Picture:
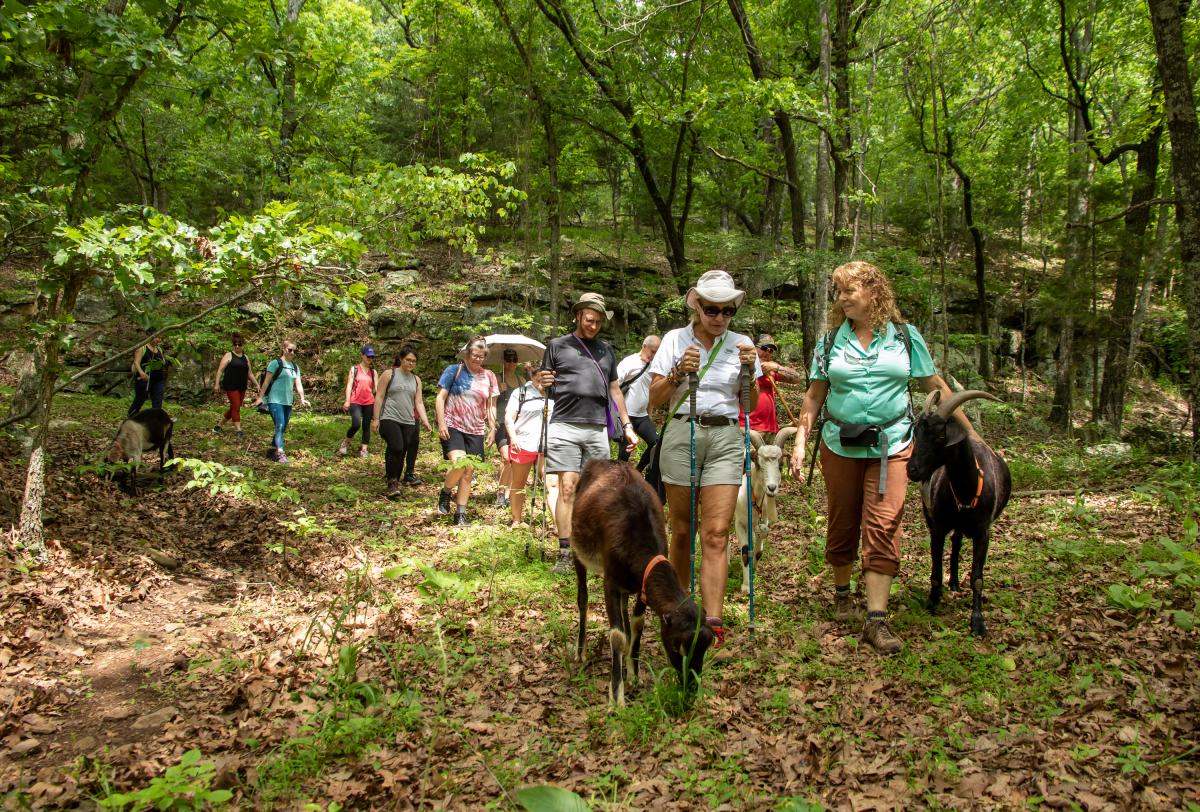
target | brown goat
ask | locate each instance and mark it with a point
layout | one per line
(619, 534)
(148, 430)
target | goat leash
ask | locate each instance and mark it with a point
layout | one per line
(654, 562)
(978, 486)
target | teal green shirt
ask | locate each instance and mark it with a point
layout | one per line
(870, 385)
(283, 384)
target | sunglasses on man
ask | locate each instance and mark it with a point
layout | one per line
(768, 348)
(712, 311)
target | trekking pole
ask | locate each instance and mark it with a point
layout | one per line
(546, 395)
(746, 376)
(812, 461)
(693, 385)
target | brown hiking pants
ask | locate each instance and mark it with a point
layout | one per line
(856, 508)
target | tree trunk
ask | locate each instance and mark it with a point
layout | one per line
(842, 141)
(85, 153)
(289, 119)
(1080, 167)
(1167, 18)
(553, 150)
(1110, 406)
(824, 183)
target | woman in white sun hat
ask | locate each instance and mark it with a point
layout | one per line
(708, 349)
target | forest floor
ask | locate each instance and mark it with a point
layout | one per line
(343, 651)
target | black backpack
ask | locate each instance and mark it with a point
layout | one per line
(262, 377)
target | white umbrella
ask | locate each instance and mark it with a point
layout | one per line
(527, 349)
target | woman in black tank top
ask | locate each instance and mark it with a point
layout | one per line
(233, 376)
(149, 375)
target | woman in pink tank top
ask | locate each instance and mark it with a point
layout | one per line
(360, 401)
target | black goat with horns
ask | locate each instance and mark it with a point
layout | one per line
(964, 487)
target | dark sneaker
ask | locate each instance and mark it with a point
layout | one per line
(460, 519)
(217, 429)
(240, 435)
(393, 489)
(845, 610)
(566, 562)
(444, 502)
(411, 480)
(881, 638)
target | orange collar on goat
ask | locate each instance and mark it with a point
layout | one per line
(654, 562)
(978, 488)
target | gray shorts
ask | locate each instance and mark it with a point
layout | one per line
(720, 454)
(570, 445)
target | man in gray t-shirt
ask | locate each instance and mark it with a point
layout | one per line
(582, 369)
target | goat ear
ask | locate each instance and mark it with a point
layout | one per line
(955, 433)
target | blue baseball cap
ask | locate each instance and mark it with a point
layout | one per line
(368, 351)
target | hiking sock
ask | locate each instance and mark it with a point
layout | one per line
(873, 616)
(564, 543)
(842, 591)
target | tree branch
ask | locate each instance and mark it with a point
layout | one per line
(121, 353)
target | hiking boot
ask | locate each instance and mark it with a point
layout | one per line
(344, 448)
(411, 480)
(718, 652)
(844, 609)
(444, 502)
(217, 429)
(240, 435)
(502, 500)
(362, 452)
(881, 638)
(393, 489)
(566, 562)
(460, 519)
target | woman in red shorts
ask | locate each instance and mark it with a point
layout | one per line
(233, 376)
(523, 415)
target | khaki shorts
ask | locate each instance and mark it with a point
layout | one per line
(720, 454)
(570, 445)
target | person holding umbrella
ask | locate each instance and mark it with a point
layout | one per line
(510, 381)
(582, 368)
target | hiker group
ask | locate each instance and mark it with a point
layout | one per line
(708, 387)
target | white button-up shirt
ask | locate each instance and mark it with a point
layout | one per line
(717, 394)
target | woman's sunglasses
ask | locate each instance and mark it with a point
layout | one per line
(712, 311)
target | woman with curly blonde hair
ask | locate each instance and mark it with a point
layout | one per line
(859, 376)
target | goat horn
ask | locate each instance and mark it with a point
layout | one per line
(784, 435)
(931, 402)
(959, 398)
(756, 439)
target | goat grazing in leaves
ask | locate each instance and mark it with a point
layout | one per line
(148, 430)
(618, 533)
(964, 487)
(765, 476)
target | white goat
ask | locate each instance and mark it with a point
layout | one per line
(765, 476)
